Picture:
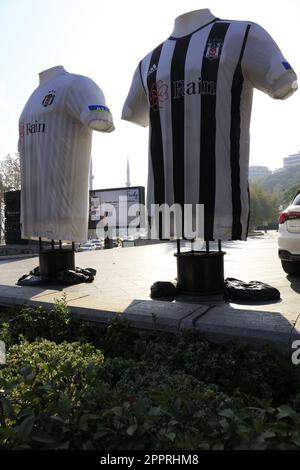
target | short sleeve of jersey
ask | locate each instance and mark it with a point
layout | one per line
(86, 102)
(265, 67)
(135, 108)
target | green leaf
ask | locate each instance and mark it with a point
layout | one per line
(24, 429)
(218, 446)
(204, 446)
(46, 387)
(6, 433)
(286, 411)
(24, 412)
(174, 422)
(268, 434)
(63, 446)
(227, 413)
(296, 441)
(199, 414)
(103, 432)
(171, 436)
(30, 378)
(8, 408)
(25, 371)
(43, 438)
(155, 411)
(131, 429)
(64, 404)
(177, 404)
(117, 411)
(58, 419)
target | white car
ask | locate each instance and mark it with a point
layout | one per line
(99, 244)
(88, 246)
(289, 237)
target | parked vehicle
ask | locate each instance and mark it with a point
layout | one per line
(99, 244)
(289, 237)
(87, 246)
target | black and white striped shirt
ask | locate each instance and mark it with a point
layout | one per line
(195, 93)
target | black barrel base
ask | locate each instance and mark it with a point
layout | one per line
(200, 272)
(54, 261)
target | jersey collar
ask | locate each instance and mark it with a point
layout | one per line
(175, 38)
(50, 73)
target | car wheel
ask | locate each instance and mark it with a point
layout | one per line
(291, 267)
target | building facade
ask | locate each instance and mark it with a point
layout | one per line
(258, 171)
(291, 160)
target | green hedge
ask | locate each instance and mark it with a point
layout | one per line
(69, 385)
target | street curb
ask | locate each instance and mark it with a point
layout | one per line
(220, 324)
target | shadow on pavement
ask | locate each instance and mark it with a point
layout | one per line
(17, 258)
(217, 323)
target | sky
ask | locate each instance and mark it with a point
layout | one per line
(105, 40)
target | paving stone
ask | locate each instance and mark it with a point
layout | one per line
(251, 326)
(161, 315)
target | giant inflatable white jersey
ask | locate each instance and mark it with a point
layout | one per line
(195, 92)
(55, 136)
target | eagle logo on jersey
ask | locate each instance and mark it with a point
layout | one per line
(158, 94)
(49, 98)
(213, 49)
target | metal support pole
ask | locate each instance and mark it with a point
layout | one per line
(60, 245)
(178, 246)
(0, 213)
(73, 247)
(106, 240)
(192, 246)
(52, 244)
(40, 243)
(220, 245)
(207, 246)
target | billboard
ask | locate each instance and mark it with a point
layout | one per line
(120, 205)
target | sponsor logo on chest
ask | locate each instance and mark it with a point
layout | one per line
(31, 128)
(159, 92)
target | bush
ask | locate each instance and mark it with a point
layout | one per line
(69, 385)
(44, 388)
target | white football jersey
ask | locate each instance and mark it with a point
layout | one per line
(55, 136)
(195, 93)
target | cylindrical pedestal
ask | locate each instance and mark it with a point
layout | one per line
(200, 272)
(54, 261)
(108, 243)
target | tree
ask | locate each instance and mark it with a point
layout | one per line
(281, 179)
(263, 206)
(289, 194)
(10, 180)
(10, 173)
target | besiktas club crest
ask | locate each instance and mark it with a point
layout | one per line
(213, 49)
(49, 98)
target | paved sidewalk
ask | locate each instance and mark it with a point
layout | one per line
(122, 285)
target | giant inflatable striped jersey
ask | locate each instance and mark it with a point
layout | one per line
(195, 94)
